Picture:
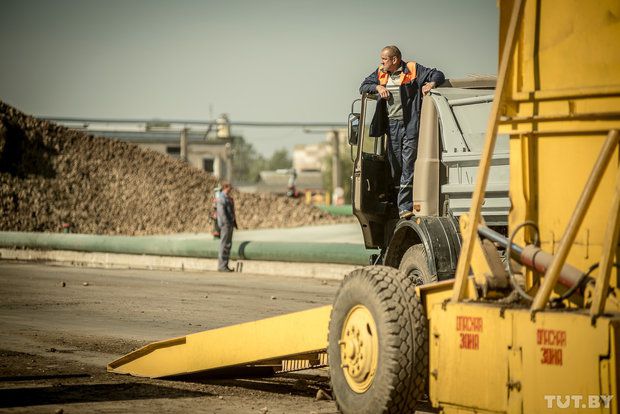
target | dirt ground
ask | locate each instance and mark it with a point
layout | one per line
(60, 326)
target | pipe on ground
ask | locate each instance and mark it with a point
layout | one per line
(339, 253)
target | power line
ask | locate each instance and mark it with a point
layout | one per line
(270, 124)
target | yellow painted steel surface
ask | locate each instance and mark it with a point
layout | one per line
(490, 361)
(560, 102)
(268, 340)
(467, 357)
(434, 294)
(563, 98)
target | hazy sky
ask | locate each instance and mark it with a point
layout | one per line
(263, 60)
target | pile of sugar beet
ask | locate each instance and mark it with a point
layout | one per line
(50, 175)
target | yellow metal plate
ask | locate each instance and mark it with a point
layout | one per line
(468, 354)
(249, 343)
(485, 362)
(561, 354)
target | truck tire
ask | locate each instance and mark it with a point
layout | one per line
(378, 343)
(415, 265)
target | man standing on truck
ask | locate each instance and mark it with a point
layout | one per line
(227, 221)
(401, 85)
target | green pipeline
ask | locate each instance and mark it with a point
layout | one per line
(191, 246)
(344, 210)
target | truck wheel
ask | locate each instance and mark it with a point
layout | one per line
(415, 265)
(378, 343)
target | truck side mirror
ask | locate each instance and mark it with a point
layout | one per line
(353, 128)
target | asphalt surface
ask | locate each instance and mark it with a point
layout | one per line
(325, 233)
(328, 233)
(60, 326)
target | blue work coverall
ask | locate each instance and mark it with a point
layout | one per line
(403, 135)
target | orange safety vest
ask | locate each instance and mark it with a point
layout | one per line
(404, 77)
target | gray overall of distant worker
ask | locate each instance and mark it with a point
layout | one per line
(227, 221)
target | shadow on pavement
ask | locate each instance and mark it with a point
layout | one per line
(17, 378)
(67, 394)
(291, 383)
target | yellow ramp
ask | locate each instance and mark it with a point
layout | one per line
(300, 336)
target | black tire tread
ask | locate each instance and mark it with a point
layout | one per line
(406, 353)
(415, 256)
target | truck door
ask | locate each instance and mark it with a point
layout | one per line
(372, 193)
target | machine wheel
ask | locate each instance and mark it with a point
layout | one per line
(378, 343)
(415, 265)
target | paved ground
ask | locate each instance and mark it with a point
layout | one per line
(329, 233)
(55, 341)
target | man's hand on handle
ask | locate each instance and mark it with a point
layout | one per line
(383, 92)
(426, 88)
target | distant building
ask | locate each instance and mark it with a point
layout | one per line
(310, 157)
(313, 157)
(309, 164)
(277, 182)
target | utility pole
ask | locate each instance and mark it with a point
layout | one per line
(183, 145)
(229, 162)
(336, 174)
(223, 132)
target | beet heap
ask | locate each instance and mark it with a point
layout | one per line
(50, 175)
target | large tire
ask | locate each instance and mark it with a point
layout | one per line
(398, 329)
(415, 265)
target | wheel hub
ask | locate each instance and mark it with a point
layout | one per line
(359, 348)
(417, 276)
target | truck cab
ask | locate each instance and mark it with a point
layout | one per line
(452, 125)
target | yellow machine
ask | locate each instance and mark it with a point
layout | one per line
(540, 335)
